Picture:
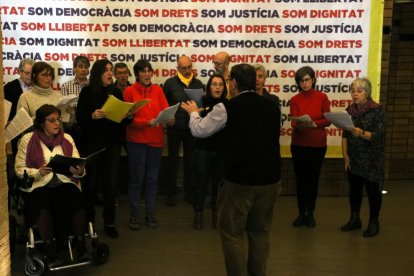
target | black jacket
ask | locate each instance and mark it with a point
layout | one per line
(174, 92)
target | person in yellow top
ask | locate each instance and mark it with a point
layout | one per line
(179, 132)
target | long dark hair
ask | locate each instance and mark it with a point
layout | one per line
(208, 87)
(98, 69)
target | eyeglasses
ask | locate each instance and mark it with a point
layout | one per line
(218, 84)
(216, 63)
(305, 80)
(54, 120)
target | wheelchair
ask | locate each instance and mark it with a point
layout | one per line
(36, 263)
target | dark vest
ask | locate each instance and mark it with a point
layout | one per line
(252, 151)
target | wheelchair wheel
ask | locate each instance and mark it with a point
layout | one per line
(100, 253)
(38, 269)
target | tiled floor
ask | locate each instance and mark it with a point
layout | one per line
(176, 249)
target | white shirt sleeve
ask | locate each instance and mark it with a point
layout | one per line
(212, 123)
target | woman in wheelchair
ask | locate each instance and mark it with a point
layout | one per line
(53, 200)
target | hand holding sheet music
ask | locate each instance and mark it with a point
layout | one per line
(61, 164)
(304, 120)
(167, 114)
(195, 95)
(340, 120)
(115, 109)
(65, 104)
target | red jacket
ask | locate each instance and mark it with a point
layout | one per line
(313, 103)
(139, 131)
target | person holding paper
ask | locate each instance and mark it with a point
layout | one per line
(363, 149)
(145, 140)
(81, 66)
(208, 156)
(53, 199)
(308, 145)
(41, 92)
(15, 88)
(97, 133)
(179, 132)
(251, 182)
(12, 92)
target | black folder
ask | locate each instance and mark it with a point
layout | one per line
(61, 163)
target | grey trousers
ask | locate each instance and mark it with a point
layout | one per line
(246, 209)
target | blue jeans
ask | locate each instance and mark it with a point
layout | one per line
(144, 164)
(209, 168)
(246, 209)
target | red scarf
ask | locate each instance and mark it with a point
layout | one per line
(34, 154)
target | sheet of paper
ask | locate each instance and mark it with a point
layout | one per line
(195, 95)
(167, 114)
(138, 104)
(340, 120)
(67, 100)
(115, 109)
(7, 109)
(303, 119)
(18, 124)
(64, 103)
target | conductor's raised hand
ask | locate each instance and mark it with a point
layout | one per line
(190, 106)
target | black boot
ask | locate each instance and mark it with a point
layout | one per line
(373, 228)
(353, 223)
(300, 220)
(198, 221)
(310, 221)
(214, 219)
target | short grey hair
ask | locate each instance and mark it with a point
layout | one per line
(363, 83)
(260, 67)
(25, 61)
